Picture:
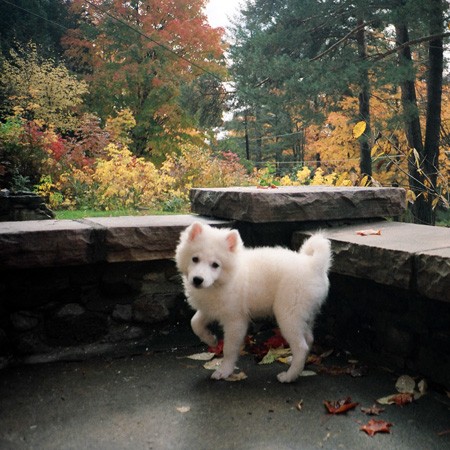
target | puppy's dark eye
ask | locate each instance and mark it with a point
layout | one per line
(215, 265)
(195, 259)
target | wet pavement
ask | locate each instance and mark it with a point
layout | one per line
(162, 400)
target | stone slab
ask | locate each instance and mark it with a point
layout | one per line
(298, 204)
(433, 273)
(405, 255)
(144, 238)
(45, 243)
(53, 243)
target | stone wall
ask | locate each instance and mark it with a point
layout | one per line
(23, 206)
(388, 326)
(76, 312)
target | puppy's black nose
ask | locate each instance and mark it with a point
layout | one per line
(197, 281)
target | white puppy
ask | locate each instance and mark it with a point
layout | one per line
(228, 283)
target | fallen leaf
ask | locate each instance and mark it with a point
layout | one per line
(236, 377)
(340, 406)
(400, 399)
(376, 426)
(270, 186)
(403, 398)
(206, 356)
(405, 384)
(369, 232)
(218, 349)
(313, 359)
(422, 386)
(374, 410)
(213, 364)
(276, 341)
(285, 359)
(308, 373)
(183, 409)
(327, 353)
(274, 353)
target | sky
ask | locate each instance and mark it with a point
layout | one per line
(218, 11)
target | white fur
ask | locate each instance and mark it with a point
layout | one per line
(226, 282)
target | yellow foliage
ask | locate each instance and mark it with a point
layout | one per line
(120, 126)
(359, 129)
(125, 181)
(42, 88)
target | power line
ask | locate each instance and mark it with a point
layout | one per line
(36, 15)
(165, 47)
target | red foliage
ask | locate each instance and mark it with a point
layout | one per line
(376, 426)
(218, 349)
(340, 406)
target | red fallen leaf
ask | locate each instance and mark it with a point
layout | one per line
(218, 349)
(276, 341)
(402, 398)
(374, 410)
(270, 186)
(313, 359)
(376, 426)
(340, 406)
(369, 232)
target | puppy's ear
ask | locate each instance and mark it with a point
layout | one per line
(234, 241)
(194, 230)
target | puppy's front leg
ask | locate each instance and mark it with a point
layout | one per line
(234, 334)
(199, 324)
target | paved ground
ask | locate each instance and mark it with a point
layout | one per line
(162, 400)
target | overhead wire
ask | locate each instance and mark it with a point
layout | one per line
(122, 22)
(36, 15)
(165, 47)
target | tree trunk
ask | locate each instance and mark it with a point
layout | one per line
(247, 141)
(411, 114)
(365, 164)
(434, 104)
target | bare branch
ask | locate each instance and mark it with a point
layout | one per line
(336, 44)
(381, 56)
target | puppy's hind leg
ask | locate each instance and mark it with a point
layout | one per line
(199, 324)
(299, 338)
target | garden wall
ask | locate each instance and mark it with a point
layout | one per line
(75, 289)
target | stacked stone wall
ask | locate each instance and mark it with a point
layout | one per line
(76, 312)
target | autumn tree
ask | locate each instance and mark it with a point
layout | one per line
(305, 57)
(40, 89)
(139, 55)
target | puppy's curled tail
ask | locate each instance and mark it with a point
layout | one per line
(319, 248)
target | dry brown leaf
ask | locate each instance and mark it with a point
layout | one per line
(236, 377)
(376, 426)
(369, 232)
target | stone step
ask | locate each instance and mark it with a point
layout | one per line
(409, 256)
(298, 204)
(53, 243)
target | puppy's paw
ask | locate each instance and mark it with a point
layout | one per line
(285, 377)
(222, 373)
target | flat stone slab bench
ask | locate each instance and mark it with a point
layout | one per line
(298, 204)
(409, 256)
(53, 243)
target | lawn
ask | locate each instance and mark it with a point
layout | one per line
(81, 214)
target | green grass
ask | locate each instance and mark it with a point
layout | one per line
(82, 214)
